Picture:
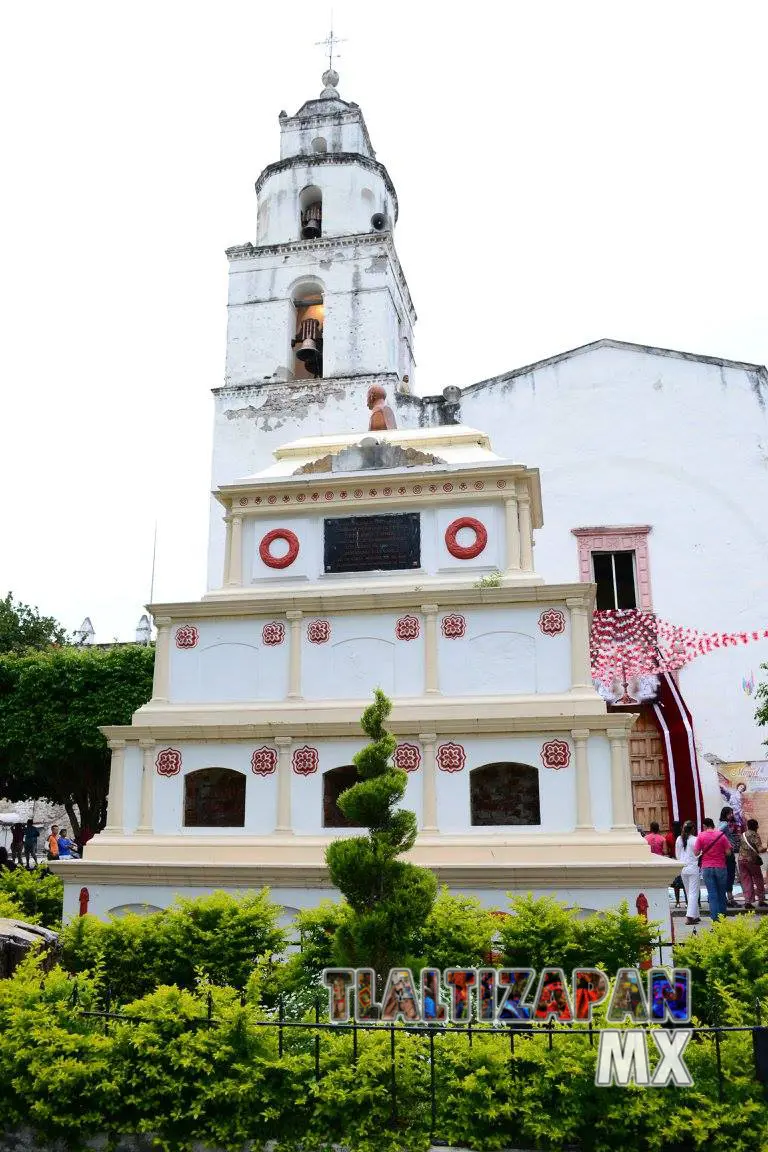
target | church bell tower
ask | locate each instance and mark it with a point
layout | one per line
(321, 295)
(319, 308)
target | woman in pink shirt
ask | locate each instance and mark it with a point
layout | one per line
(713, 848)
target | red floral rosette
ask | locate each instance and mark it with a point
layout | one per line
(556, 754)
(168, 762)
(408, 628)
(273, 633)
(187, 636)
(306, 761)
(319, 631)
(453, 626)
(264, 761)
(407, 757)
(552, 622)
(450, 757)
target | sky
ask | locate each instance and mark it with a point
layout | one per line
(565, 172)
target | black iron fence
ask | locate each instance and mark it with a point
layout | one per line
(514, 1035)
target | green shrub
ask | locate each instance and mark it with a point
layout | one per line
(730, 960)
(198, 1066)
(37, 892)
(219, 934)
(458, 932)
(543, 933)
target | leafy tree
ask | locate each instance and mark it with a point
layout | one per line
(761, 715)
(22, 628)
(458, 932)
(389, 898)
(51, 706)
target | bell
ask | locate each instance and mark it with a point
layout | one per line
(307, 351)
(311, 230)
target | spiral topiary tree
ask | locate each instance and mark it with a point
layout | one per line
(390, 899)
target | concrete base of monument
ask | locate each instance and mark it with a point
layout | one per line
(590, 870)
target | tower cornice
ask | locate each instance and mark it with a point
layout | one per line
(248, 251)
(319, 159)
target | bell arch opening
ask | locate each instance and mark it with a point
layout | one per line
(504, 794)
(335, 782)
(214, 798)
(307, 340)
(310, 213)
(320, 144)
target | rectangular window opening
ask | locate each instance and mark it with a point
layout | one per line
(614, 574)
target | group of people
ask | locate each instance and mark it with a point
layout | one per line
(25, 845)
(715, 855)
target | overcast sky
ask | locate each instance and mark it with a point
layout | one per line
(565, 172)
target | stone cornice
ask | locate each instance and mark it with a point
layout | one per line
(319, 159)
(399, 488)
(380, 597)
(250, 251)
(520, 877)
(315, 119)
(312, 389)
(446, 716)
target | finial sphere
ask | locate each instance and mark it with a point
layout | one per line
(330, 78)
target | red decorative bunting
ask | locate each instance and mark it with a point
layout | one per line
(626, 644)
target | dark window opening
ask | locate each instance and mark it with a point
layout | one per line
(335, 782)
(615, 580)
(214, 798)
(504, 794)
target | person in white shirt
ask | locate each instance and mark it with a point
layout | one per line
(689, 870)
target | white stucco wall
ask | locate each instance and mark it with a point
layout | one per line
(625, 437)
(350, 196)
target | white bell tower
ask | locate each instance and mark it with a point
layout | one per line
(319, 308)
(321, 294)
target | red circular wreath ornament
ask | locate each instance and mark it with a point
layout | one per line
(291, 540)
(452, 531)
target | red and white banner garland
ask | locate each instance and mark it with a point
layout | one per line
(628, 644)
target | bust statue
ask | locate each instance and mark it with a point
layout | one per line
(382, 416)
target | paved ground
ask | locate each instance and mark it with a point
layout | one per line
(683, 930)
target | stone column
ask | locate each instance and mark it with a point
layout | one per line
(227, 548)
(235, 567)
(146, 807)
(431, 678)
(161, 686)
(526, 532)
(581, 673)
(115, 824)
(621, 779)
(584, 820)
(283, 824)
(513, 534)
(428, 782)
(294, 655)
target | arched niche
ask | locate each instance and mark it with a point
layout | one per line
(320, 145)
(336, 781)
(214, 798)
(308, 325)
(504, 794)
(310, 213)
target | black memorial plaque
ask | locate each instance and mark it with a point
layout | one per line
(371, 543)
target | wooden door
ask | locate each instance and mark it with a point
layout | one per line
(646, 756)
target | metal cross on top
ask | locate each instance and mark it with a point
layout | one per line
(329, 44)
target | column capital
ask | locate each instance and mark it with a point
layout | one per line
(576, 605)
(227, 518)
(116, 745)
(294, 614)
(146, 744)
(580, 733)
(283, 741)
(163, 621)
(430, 609)
(524, 497)
(427, 737)
(617, 733)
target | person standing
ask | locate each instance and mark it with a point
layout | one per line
(655, 840)
(17, 842)
(751, 866)
(31, 836)
(729, 826)
(689, 870)
(53, 842)
(713, 847)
